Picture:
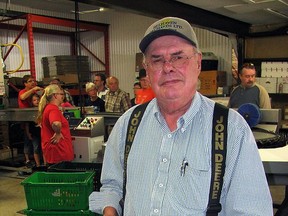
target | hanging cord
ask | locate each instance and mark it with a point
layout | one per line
(21, 54)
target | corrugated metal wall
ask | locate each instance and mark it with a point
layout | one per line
(126, 30)
(45, 45)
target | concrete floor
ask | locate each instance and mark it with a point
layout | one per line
(13, 201)
(12, 196)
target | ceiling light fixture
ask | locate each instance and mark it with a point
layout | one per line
(276, 13)
(259, 1)
(89, 11)
(283, 2)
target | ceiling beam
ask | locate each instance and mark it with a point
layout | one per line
(163, 8)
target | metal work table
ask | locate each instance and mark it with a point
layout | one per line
(16, 114)
(29, 114)
(275, 161)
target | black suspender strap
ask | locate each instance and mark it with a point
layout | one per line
(133, 124)
(218, 158)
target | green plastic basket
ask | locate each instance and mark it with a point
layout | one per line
(58, 191)
(31, 212)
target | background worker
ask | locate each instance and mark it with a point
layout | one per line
(33, 133)
(136, 88)
(25, 101)
(169, 164)
(93, 99)
(116, 100)
(248, 91)
(56, 139)
(30, 88)
(68, 97)
(100, 82)
(146, 93)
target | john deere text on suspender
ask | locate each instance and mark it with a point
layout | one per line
(218, 154)
(133, 124)
(218, 158)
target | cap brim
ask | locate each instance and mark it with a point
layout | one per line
(159, 33)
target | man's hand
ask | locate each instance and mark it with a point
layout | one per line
(110, 211)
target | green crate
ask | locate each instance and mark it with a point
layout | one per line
(58, 191)
(31, 212)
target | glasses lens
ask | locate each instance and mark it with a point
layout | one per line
(175, 61)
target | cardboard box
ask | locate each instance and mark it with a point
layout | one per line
(67, 79)
(282, 85)
(211, 80)
(269, 83)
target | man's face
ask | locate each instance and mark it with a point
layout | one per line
(113, 85)
(145, 82)
(31, 83)
(98, 82)
(247, 77)
(136, 89)
(176, 79)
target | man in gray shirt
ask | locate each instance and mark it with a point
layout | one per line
(249, 91)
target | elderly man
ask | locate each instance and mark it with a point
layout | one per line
(171, 163)
(116, 100)
(249, 91)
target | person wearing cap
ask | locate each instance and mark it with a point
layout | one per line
(68, 97)
(248, 91)
(93, 99)
(146, 93)
(169, 164)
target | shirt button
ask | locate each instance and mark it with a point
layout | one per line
(160, 185)
(182, 130)
(169, 135)
(156, 210)
(164, 160)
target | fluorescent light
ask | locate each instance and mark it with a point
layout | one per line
(89, 11)
(260, 1)
(277, 13)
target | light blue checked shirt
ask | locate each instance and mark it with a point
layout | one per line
(154, 183)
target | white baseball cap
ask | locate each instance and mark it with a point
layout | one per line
(169, 26)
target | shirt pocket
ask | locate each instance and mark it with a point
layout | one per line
(192, 189)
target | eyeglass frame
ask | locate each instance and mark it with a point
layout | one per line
(171, 61)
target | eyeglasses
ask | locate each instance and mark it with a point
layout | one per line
(248, 66)
(176, 62)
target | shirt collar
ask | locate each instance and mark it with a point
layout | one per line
(185, 119)
(114, 93)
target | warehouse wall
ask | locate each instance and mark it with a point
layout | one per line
(126, 30)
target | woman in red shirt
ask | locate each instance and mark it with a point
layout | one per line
(55, 133)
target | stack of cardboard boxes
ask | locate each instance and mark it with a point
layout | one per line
(211, 80)
(66, 69)
(274, 77)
